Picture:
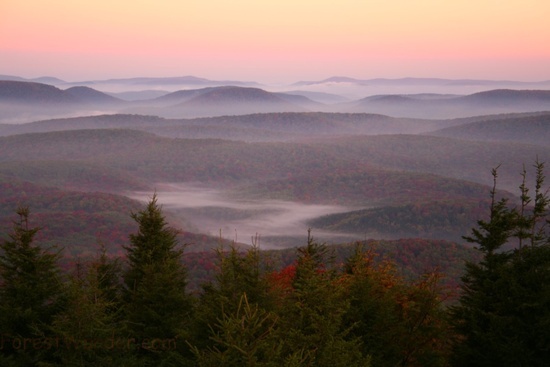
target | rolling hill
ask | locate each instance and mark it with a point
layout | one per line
(92, 96)
(439, 219)
(533, 129)
(385, 178)
(282, 126)
(22, 101)
(148, 155)
(535, 99)
(422, 185)
(235, 101)
(43, 79)
(18, 92)
(179, 96)
(82, 123)
(492, 84)
(168, 83)
(444, 106)
(220, 101)
(32, 93)
(75, 221)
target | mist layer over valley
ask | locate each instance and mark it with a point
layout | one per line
(248, 221)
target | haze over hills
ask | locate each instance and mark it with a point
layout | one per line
(445, 106)
(237, 101)
(321, 97)
(139, 95)
(530, 129)
(18, 100)
(44, 79)
(352, 88)
(314, 177)
(28, 101)
(262, 160)
(356, 89)
(159, 83)
(89, 95)
(426, 81)
(282, 126)
(21, 99)
(31, 92)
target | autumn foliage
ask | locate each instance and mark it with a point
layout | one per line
(316, 308)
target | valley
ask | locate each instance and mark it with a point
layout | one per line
(267, 166)
(218, 213)
(274, 183)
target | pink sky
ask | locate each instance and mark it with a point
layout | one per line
(276, 41)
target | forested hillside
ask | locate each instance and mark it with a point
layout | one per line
(532, 129)
(418, 185)
(362, 304)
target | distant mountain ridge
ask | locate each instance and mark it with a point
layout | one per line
(43, 79)
(226, 100)
(22, 101)
(191, 80)
(481, 103)
(19, 99)
(232, 94)
(421, 81)
(168, 82)
(31, 92)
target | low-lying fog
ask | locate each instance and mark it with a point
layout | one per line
(211, 211)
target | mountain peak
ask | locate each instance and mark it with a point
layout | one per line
(87, 94)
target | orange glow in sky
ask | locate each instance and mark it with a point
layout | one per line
(276, 41)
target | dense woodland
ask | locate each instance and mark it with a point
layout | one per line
(139, 309)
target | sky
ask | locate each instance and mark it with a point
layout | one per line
(276, 41)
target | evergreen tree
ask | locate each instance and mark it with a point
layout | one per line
(398, 323)
(157, 307)
(504, 310)
(240, 274)
(89, 329)
(244, 337)
(108, 272)
(312, 325)
(154, 243)
(31, 294)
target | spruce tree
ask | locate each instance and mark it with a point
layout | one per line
(157, 307)
(238, 274)
(312, 324)
(398, 323)
(31, 294)
(90, 330)
(504, 310)
(243, 337)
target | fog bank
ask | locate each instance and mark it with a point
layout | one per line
(211, 211)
